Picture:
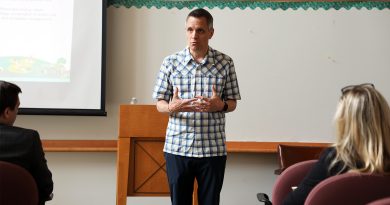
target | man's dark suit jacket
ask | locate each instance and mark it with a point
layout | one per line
(23, 147)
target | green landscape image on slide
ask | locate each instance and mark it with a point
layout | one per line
(21, 68)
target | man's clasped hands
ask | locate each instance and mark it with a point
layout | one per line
(196, 104)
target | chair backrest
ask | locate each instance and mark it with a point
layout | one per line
(382, 201)
(350, 188)
(17, 186)
(292, 176)
(291, 154)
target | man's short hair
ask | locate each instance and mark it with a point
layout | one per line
(8, 95)
(198, 13)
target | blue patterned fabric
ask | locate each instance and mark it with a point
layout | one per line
(196, 134)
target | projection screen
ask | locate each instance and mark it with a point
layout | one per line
(55, 51)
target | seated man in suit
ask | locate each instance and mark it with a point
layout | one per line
(22, 146)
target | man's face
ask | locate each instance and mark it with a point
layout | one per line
(198, 34)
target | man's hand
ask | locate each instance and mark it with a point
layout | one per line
(213, 104)
(181, 105)
(197, 104)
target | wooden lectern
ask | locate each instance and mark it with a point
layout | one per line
(140, 161)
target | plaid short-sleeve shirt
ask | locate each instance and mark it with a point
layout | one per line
(196, 134)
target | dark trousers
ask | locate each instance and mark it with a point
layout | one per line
(208, 172)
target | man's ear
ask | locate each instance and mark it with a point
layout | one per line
(6, 112)
(3, 116)
(211, 33)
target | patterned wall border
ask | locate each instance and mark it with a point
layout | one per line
(243, 4)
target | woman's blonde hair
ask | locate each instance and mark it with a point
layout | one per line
(363, 130)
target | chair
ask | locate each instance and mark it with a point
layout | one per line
(382, 201)
(350, 188)
(291, 154)
(17, 186)
(290, 177)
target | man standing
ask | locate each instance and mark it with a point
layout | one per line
(196, 86)
(22, 146)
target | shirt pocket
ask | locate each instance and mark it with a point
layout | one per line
(213, 78)
(183, 82)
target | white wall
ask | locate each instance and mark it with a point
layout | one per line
(83, 178)
(132, 64)
(290, 64)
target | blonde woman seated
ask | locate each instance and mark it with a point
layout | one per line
(363, 140)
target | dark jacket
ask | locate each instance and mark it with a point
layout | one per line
(24, 148)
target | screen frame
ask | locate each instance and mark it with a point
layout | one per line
(82, 112)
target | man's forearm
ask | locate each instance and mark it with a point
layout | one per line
(231, 105)
(163, 106)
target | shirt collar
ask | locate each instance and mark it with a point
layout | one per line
(188, 57)
(210, 56)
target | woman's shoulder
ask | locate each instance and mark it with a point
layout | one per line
(327, 156)
(329, 151)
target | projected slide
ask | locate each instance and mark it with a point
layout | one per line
(36, 40)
